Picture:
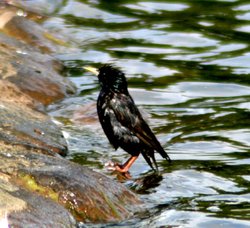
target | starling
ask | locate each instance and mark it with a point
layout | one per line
(122, 121)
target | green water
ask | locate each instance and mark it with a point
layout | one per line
(188, 68)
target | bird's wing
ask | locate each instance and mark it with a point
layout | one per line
(129, 116)
(113, 128)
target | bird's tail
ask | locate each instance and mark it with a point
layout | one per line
(164, 154)
(148, 156)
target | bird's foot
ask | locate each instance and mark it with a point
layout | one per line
(114, 166)
(121, 168)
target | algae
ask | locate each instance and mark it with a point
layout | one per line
(29, 183)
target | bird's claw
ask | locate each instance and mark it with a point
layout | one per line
(114, 166)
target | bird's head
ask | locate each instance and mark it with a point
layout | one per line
(110, 78)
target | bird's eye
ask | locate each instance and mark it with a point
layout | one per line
(103, 73)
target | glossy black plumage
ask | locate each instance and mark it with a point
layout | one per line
(121, 120)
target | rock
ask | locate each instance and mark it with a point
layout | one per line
(32, 34)
(23, 126)
(22, 208)
(88, 195)
(12, 94)
(36, 132)
(40, 6)
(34, 73)
(24, 62)
(20, 23)
(9, 203)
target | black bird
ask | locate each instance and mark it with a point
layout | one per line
(121, 120)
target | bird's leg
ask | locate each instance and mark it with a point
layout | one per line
(125, 167)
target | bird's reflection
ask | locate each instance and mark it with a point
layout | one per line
(145, 183)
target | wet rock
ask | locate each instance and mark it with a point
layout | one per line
(9, 203)
(20, 23)
(30, 129)
(40, 212)
(34, 73)
(24, 62)
(88, 195)
(22, 208)
(32, 34)
(40, 6)
(12, 94)
(24, 126)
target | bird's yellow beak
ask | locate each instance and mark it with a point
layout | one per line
(92, 70)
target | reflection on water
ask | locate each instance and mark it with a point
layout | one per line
(187, 64)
